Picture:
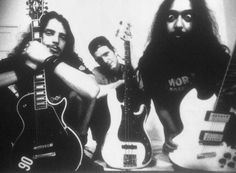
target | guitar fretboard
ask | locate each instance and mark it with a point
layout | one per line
(40, 93)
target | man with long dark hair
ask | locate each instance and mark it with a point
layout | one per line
(183, 53)
(66, 74)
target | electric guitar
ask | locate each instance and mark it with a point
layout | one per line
(45, 142)
(200, 144)
(127, 145)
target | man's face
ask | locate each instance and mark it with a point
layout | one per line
(54, 37)
(104, 56)
(179, 21)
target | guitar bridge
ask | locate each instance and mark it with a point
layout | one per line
(39, 156)
(130, 160)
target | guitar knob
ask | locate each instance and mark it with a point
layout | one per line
(227, 155)
(222, 161)
(234, 158)
(231, 164)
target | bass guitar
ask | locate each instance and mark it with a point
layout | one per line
(201, 144)
(127, 145)
(45, 142)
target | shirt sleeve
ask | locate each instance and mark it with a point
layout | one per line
(6, 64)
(77, 63)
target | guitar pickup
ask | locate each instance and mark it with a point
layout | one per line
(43, 146)
(217, 117)
(132, 147)
(210, 138)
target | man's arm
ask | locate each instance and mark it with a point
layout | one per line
(169, 125)
(7, 78)
(82, 83)
(105, 89)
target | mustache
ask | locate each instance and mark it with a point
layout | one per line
(178, 32)
(54, 49)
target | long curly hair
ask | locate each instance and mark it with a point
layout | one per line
(70, 41)
(204, 44)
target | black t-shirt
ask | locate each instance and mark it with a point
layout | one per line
(170, 80)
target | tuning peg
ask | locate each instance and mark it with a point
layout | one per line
(46, 7)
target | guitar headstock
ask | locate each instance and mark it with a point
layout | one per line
(124, 31)
(36, 8)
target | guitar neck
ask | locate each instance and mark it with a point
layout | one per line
(129, 72)
(129, 76)
(40, 92)
(35, 30)
(36, 10)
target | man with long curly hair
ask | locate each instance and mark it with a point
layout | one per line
(184, 52)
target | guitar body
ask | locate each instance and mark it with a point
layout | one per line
(45, 143)
(194, 155)
(126, 149)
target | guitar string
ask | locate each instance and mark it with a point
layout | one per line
(213, 125)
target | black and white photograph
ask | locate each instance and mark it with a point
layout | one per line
(118, 85)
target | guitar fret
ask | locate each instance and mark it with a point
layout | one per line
(40, 93)
(39, 87)
(41, 103)
(41, 107)
(40, 98)
(39, 76)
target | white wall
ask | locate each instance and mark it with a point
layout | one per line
(90, 18)
(230, 18)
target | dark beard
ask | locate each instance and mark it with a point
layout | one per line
(181, 52)
(179, 45)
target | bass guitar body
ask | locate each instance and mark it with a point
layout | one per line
(200, 145)
(126, 144)
(45, 143)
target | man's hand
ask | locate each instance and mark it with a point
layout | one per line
(118, 83)
(229, 96)
(105, 89)
(169, 145)
(36, 53)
